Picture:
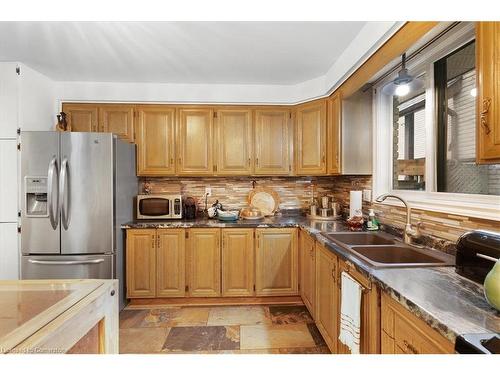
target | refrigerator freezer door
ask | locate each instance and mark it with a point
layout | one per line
(39, 163)
(67, 267)
(86, 193)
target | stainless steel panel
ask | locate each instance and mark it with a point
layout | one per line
(87, 196)
(125, 189)
(39, 154)
(67, 267)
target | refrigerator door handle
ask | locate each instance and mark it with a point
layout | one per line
(51, 174)
(63, 194)
(65, 262)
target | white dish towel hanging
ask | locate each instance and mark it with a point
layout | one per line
(350, 313)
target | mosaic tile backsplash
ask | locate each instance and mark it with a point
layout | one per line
(440, 230)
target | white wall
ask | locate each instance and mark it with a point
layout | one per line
(27, 101)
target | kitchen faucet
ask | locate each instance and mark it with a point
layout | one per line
(409, 231)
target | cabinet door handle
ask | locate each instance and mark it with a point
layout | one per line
(484, 115)
(159, 243)
(153, 241)
(410, 347)
(323, 159)
(257, 162)
(249, 161)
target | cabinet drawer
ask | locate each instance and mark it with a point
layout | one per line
(410, 334)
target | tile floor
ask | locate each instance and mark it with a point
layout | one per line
(227, 329)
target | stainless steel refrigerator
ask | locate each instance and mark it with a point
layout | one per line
(76, 191)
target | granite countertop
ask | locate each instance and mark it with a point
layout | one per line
(447, 301)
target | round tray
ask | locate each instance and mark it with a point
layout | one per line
(265, 199)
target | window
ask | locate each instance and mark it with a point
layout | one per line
(457, 171)
(409, 143)
(425, 146)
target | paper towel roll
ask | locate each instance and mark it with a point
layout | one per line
(355, 202)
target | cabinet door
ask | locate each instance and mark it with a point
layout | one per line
(195, 137)
(310, 141)
(276, 258)
(81, 117)
(327, 312)
(233, 143)
(488, 98)
(370, 312)
(334, 121)
(237, 262)
(117, 119)
(204, 262)
(272, 143)
(141, 263)
(170, 263)
(155, 141)
(307, 271)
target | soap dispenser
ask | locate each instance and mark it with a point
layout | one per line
(372, 223)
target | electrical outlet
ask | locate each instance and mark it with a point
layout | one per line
(208, 191)
(367, 195)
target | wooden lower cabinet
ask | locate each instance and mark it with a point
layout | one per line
(404, 333)
(327, 296)
(141, 263)
(238, 262)
(307, 271)
(370, 311)
(204, 269)
(170, 263)
(276, 262)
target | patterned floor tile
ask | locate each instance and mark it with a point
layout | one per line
(290, 314)
(275, 336)
(202, 338)
(176, 317)
(316, 335)
(238, 315)
(142, 340)
(132, 318)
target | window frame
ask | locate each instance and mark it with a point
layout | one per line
(473, 205)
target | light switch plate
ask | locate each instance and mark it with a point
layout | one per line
(208, 191)
(367, 195)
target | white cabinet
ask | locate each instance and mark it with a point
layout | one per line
(9, 256)
(9, 98)
(8, 180)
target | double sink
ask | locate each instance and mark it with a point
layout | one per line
(381, 250)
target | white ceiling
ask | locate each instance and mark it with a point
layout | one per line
(271, 53)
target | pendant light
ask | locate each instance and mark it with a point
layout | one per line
(404, 83)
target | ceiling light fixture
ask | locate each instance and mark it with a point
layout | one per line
(404, 83)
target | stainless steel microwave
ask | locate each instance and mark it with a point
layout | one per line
(161, 206)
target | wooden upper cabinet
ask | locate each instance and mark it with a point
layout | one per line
(195, 140)
(488, 93)
(170, 263)
(81, 117)
(272, 142)
(310, 139)
(155, 131)
(333, 144)
(234, 141)
(307, 271)
(204, 271)
(276, 259)
(117, 119)
(141, 263)
(237, 262)
(327, 296)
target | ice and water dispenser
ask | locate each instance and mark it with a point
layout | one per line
(36, 196)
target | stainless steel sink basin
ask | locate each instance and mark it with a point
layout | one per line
(381, 250)
(360, 238)
(401, 256)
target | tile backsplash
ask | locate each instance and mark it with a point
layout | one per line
(439, 229)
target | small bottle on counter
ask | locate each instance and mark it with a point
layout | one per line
(372, 223)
